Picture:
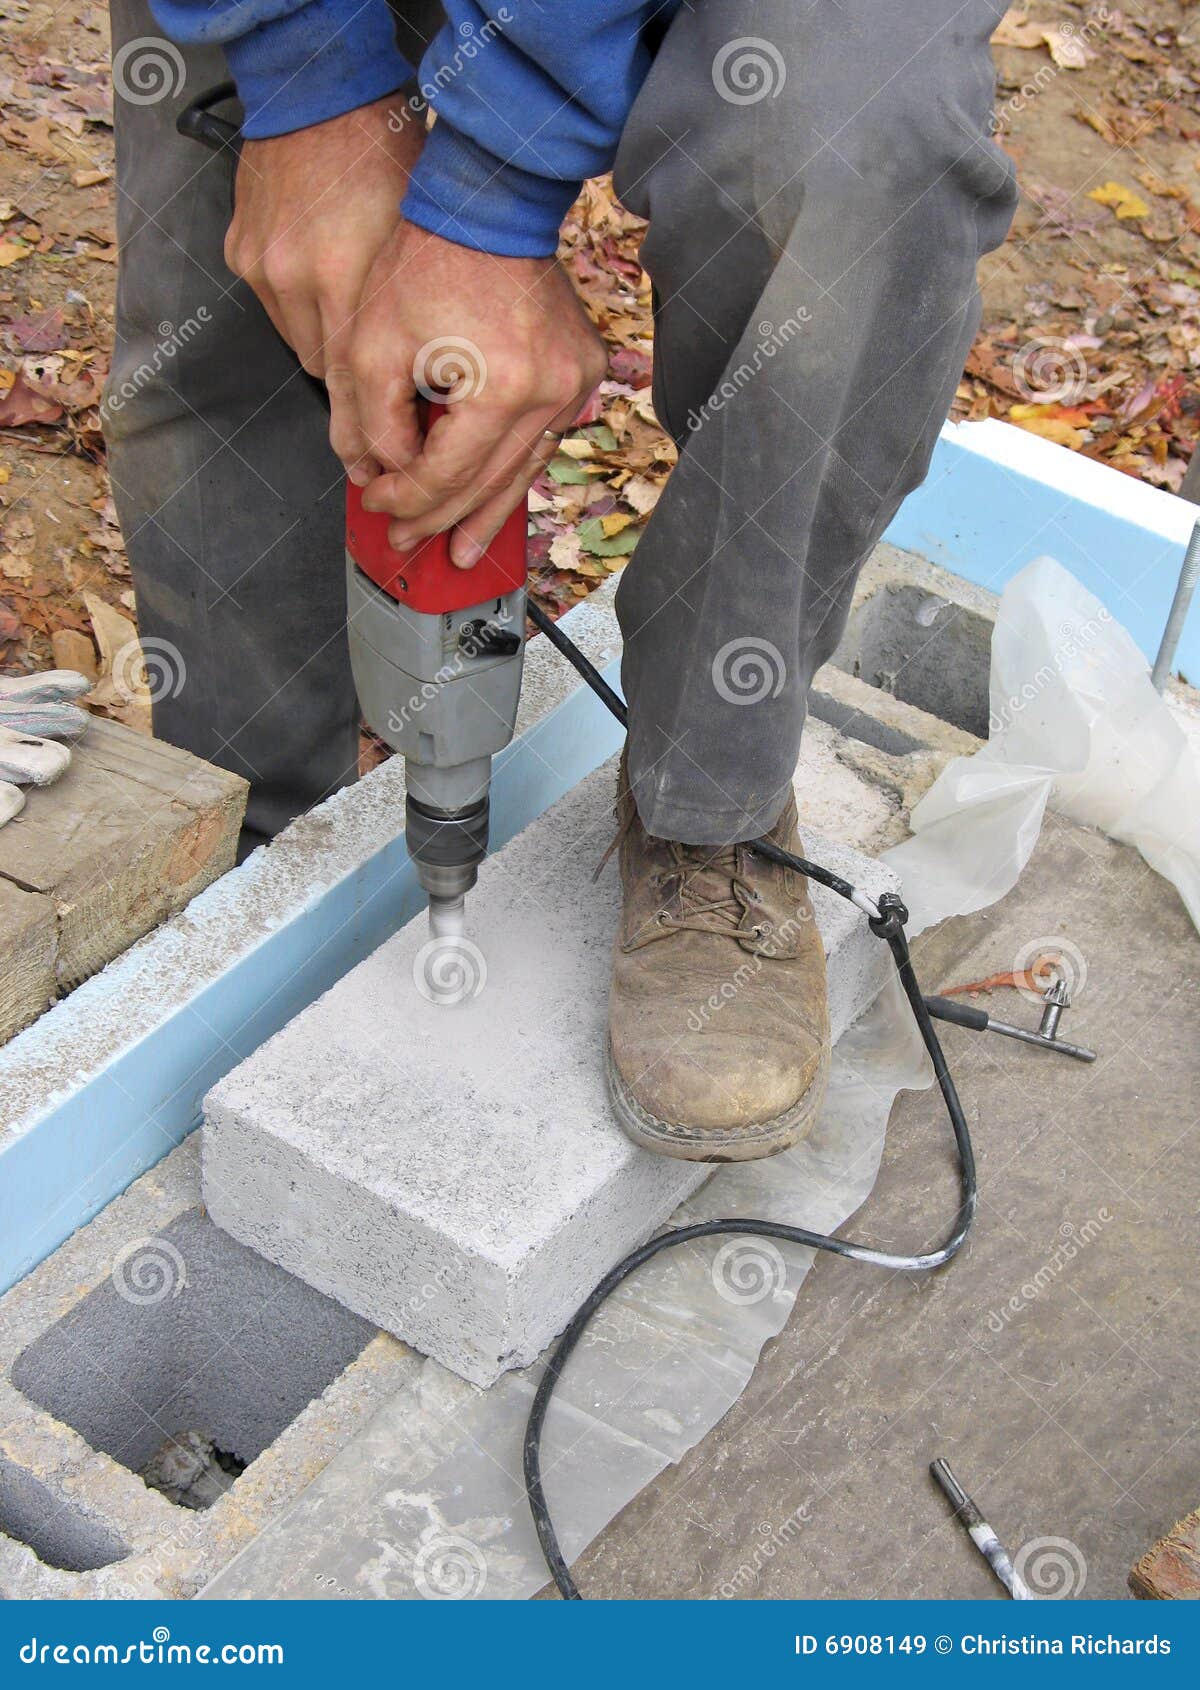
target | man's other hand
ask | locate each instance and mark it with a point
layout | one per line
(507, 343)
(312, 210)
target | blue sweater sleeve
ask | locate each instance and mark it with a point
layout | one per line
(295, 62)
(531, 95)
(531, 100)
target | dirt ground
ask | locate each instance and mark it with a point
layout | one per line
(1091, 324)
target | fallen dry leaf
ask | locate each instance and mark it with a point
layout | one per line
(1123, 200)
(73, 650)
(122, 690)
(1050, 428)
(1035, 978)
(21, 405)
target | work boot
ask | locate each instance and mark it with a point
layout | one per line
(718, 1021)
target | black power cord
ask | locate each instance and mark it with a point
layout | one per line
(886, 919)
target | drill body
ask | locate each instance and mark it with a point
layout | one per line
(437, 655)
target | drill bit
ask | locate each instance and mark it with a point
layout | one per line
(448, 969)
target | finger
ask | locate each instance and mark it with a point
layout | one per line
(387, 400)
(301, 327)
(466, 460)
(476, 514)
(346, 434)
(472, 537)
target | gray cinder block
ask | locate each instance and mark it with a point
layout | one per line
(452, 1173)
(148, 1334)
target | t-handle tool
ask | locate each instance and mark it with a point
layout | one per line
(437, 654)
(1046, 1038)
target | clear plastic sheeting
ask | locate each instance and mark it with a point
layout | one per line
(429, 1500)
(1074, 722)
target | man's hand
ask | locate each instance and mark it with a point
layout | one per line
(508, 344)
(312, 209)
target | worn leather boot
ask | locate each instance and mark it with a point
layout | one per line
(718, 1021)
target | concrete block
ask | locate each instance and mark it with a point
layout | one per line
(452, 1173)
(151, 1346)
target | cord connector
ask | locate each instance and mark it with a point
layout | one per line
(893, 913)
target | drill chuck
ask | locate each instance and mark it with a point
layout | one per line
(446, 845)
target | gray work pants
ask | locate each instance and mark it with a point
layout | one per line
(820, 184)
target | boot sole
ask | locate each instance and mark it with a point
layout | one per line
(730, 1144)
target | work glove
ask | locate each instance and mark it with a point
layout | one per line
(35, 713)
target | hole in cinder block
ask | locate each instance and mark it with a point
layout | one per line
(924, 650)
(858, 724)
(57, 1530)
(190, 1359)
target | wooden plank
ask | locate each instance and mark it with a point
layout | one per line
(127, 837)
(28, 943)
(1170, 1572)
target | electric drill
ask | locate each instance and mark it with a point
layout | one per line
(437, 653)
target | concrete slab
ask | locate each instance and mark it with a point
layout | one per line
(1052, 1363)
(453, 1173)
